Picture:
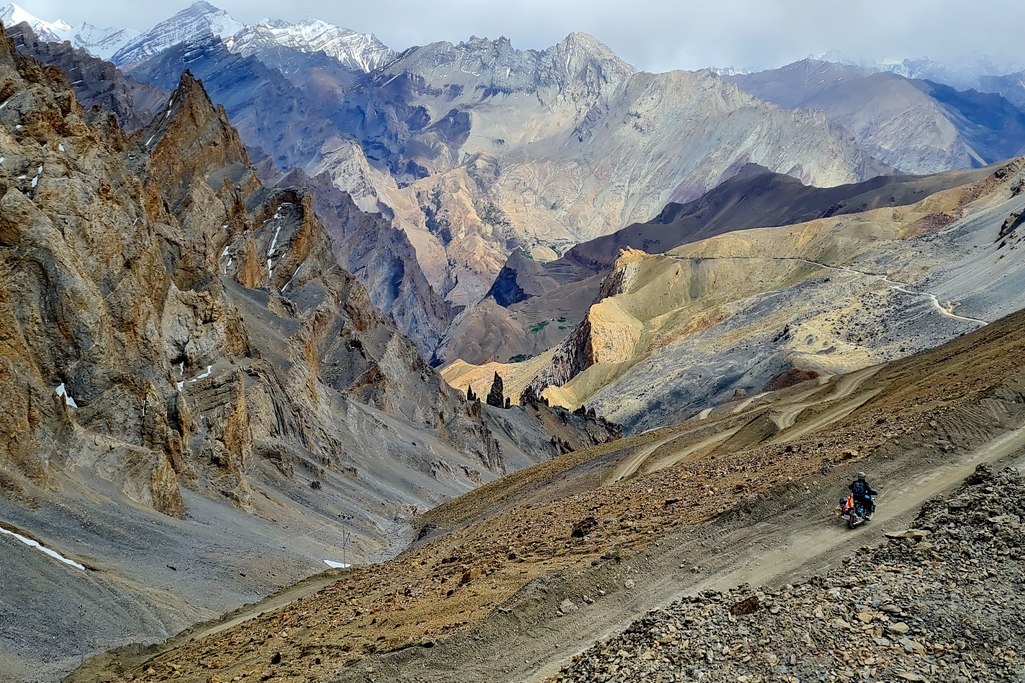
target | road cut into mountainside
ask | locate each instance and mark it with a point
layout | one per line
(775, 542)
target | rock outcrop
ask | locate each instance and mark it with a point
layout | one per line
(496, 395)
(176, 338)
(881, 619)
(97, 83)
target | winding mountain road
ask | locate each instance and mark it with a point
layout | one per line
(896, 285)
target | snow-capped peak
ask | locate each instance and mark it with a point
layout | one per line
(358, 51)
(97, 41)
(198, 20)
(102, 42)
(50, 31)
(960, 72)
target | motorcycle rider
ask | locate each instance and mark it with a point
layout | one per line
(863, 493)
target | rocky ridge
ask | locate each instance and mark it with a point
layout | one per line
(939, 602)
(358, 51)
(256, 97)
(370, 247)
(198, 20)
(180, 347)
(96, 82)
(97, 41)
(915, 126)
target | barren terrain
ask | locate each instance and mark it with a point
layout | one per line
(483, 595)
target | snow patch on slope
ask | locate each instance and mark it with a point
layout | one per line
(198, 20)
(42, 548)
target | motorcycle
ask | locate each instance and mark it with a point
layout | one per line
(853, 512)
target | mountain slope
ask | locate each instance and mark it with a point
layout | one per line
(196, 21)
(97, 83)
(756, 197)
(512, 580)
(740, 311)
(913, 125)
(557, 293)
(357, 51)
(381, 257)
(732, 316)
(201, 406)
(97, 41)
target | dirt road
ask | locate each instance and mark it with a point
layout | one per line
(661, 454)
(785, 415)
(134, 655)
(779, 540)
(896, 285)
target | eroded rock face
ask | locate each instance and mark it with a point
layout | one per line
(381, 256)
(478, 149)
(170, 322)
(97, 83)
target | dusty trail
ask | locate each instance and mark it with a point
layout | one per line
(676, 457)
(780, 540)
(645, 461)
(904, 287)
(896, 285)
(804, 539)
(847, 385)
(631, 464)
(832, 415)
(746, 402)
(133, 655)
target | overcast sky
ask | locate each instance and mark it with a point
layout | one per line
(655, 35)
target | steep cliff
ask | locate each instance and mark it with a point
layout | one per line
(185, 367)
(97, 83)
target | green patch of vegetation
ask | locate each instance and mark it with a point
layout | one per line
(563, 327)
(538, 327)
(520, 357)
(561, 318)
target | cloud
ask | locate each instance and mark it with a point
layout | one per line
(652, 34)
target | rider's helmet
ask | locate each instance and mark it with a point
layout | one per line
(861, 476)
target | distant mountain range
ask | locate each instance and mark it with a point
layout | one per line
(963, 72)
(915, 125)
(99, 42)
(477, 152)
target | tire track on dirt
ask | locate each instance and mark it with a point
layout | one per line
(846, 386)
